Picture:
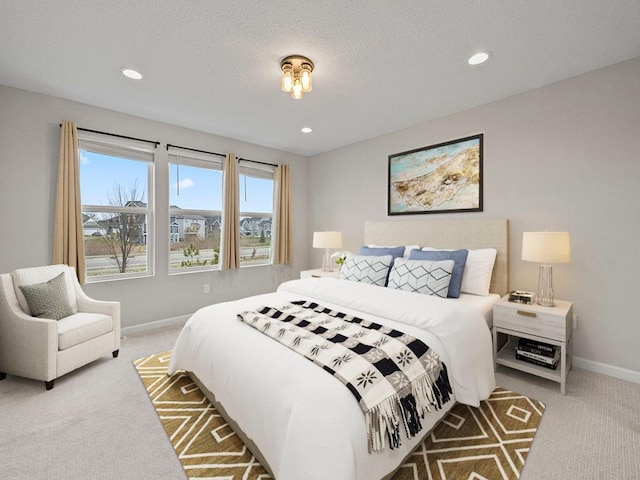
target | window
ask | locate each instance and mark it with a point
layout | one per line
(116, 185)
(195, 197)
(256, 212)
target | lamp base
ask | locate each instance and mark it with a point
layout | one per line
(326, 261)
(545, 286)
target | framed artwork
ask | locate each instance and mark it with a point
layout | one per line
(441, 178)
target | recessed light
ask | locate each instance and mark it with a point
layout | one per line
(479, 58)
(129, 72)
(306, 130)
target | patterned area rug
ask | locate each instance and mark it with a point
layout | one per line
(490, 442)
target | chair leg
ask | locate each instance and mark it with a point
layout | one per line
(49, 384)
(3, 375)
(115, 353)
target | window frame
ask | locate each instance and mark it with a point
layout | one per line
(132, 150)
(264, 171)
(196, 159)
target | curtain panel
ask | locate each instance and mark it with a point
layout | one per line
(68, 239)
(230, 248)
(283, 252)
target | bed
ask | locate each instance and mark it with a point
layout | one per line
(301, 422)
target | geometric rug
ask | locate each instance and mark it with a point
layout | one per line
(486, 443)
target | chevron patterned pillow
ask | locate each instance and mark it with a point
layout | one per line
(422, 276)
(366, 269)
(48, 299)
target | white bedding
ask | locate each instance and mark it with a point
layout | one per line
(304, 421)
(483, 303)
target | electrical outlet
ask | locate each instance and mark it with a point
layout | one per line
(205, 288)
(575, 322)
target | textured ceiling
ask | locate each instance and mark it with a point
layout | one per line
(380, 65)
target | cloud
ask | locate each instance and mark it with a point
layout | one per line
(186, 183)
(84, 160)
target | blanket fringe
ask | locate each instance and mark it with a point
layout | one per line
(409, 405)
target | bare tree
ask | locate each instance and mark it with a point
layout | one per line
(125, 231)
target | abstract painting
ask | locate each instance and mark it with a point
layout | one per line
(441, 178)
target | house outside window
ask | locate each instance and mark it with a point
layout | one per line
(195, 196)
(256, 213)
(116, 185)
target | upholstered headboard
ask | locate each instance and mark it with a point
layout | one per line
(453, 234)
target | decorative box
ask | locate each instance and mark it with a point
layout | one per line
(520, 296)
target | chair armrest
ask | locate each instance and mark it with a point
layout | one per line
(90, 305)
(28, 345)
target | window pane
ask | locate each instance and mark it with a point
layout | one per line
(109, 180)
(256, 218)
(112, 185)
(194, 217)
(255, 239)
(256, 194)
(115, 243)
(195, 188)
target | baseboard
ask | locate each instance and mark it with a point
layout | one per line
(147, 327)
(606, 369)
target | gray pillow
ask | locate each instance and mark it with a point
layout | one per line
(421, 276)
(48, 299)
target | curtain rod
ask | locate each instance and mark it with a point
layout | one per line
(219, 154)
(195, 150)
(169, 145)
(155, 144)
(255, 161)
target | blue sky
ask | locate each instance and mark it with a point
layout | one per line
(99, 173)
(200, 189)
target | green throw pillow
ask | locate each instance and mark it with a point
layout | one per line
(49, 299)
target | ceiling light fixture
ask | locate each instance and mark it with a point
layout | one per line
(131, 73)
(478, 58)
(306, 130)
(296, 75)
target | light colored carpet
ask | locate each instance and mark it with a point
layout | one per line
(97, 423)
(591, 433)
(490, 442)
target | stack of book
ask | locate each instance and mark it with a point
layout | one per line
(538, 353)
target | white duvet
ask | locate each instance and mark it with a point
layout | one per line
(305, 422)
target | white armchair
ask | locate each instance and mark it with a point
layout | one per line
(44, 349)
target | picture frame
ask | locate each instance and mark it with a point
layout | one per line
(441, 178)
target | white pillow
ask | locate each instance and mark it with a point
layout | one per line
(476, 278)
(421, 276)
(407, 248)
(366, 269)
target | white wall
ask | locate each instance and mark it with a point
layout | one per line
(563, 157)
(29, 143)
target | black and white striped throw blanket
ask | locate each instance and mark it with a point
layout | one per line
(395, 377)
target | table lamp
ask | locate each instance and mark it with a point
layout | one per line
(327, 240)
(546, 248)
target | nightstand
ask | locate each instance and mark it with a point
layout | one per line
(319, 273)
(550, 325)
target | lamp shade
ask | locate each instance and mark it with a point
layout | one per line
(546, 247)
(327, 239)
